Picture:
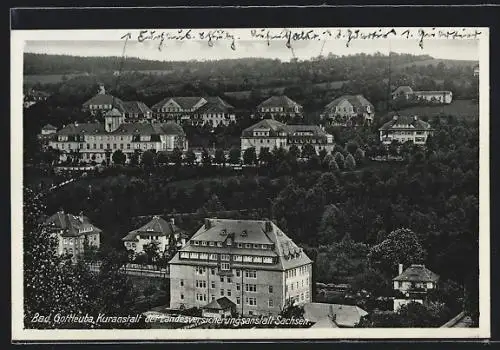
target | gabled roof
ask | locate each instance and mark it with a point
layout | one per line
(273, 125)
(220, 304)
(157, 226)
(104, 99)
(357, 101)
(404, 89)
(134, 107)
(185, 102)
(417, 273)
(279, 101)
(168, 128)
(49, 127)
(72, 225)
(114, 113)
(326, 322)
(345, 315)
(214, 105)
(400, 122)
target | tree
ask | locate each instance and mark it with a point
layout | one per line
(327, 160)
(162, 158)
(220, 158)
(294, 151)
(152, 251)
(308, 151)
(333, 166)
(190, 157)
(349, 162)
(148, 160)
(213, 204)
(176, 156)
(339, 158)
(332, 225)
(359, 156)
(206, 159)
(234, 156)
(134, 158)
(351, 147)
(119, 157)
(265, 156)
(249, 156)
(400, 247)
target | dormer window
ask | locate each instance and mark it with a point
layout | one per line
(204, 243)
(212, 244)
(196, 242)
(219, 244)
(248, 245)
(255, 246)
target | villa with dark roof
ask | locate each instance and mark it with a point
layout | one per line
(213, 111)
(156, 230)
(404, 129)
(270, 134)
(251, 262)
(97, 141)
(73, 233)
(343, 110)
(219, 308)
(103, 102)
(279, 106)
(414, 282)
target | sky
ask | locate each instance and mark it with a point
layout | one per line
(173, 50)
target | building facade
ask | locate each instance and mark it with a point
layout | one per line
(157, 230)
(270, 134)
(97, 141)
(405, 128)
(251, 262)
(212, 111)
(73, 233)
(280, 106)
(413, 283)
(407, 93)
(343, 110)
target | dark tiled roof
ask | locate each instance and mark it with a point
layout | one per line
(72, 224)
(103, 99)
(249, 231)
(220, 304)
(49, 127)
(345, 315)
(136, 107)
(156, 227)
(215, 105)
(279, 101)
(403, 89)
(114, 113)
(357, 101)
(417, 273)
(405, 123)
(168, 128)
(186, 102)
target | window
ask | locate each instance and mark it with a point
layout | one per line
(247, 259)
(238, 286)
(251, 301)
(270, 289)
(222, 279)
(212, 271)
(255, 246)
(229, 292)
(201, 284)
(204, 243)
(251, 274)
(213, 285)
(222, 292)
(238, 273)
(270, 303)
(237, 258)
(184, 255)
(219, 244)
(182, 296)
(196, 242)
(211, 244)
(182, 283)
(225, 266)
(229, 280)
(251, 288)
(204, 256)
(248, 245)
(200, 270)
(240, 245)
(257, 259)
(193, 255)
(213, 256)
(225, 257)
(268, 260)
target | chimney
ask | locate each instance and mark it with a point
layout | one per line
(269, 226)
(102, 90)
(415, 117)
(395, 117)
(400, 269)
(208, 224)
(172, 221)
(81, 216)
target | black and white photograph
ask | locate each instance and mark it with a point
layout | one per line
(246, 183)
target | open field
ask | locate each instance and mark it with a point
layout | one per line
(48, 78)
(436, 61)
(458, 108)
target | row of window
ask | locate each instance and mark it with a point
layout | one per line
(100, 106)
(297, 285)
(200, 270)
(227, 257)
(250, 301)
(302, 297)
(298, 271)
(229, 243)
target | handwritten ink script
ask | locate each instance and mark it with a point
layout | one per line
(289, 36)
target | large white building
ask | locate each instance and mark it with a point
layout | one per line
(405, 128)
(251, 262)
(97, 141)
(270, 134)
(408, 93)
(344, 109)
